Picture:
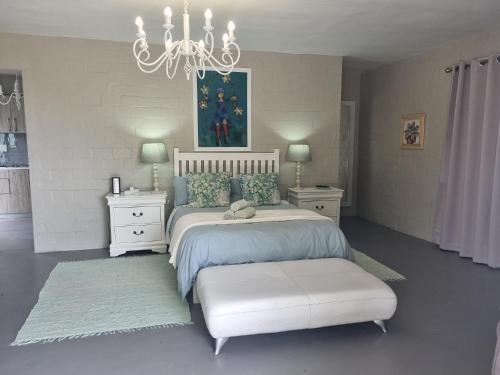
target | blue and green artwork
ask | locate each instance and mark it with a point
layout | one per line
(222, 107)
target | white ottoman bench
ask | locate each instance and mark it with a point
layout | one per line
(255, 298)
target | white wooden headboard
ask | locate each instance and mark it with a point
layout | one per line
(233, 162)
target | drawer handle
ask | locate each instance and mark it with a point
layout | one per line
(135, 215)
(138, 234)
(320, 207)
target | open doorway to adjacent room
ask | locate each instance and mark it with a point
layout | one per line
(16, 226)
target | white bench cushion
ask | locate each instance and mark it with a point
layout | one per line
(280, 296)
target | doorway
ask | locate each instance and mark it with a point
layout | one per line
(16, 227)
(346, 175)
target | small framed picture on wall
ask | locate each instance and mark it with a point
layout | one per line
(413, 131)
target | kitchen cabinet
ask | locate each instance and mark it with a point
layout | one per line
(14, 191)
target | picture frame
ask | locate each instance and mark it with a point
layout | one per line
(413, 131)
(222, 111)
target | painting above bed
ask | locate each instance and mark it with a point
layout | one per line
(222, 108)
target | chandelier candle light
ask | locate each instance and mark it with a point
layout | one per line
(197, 55)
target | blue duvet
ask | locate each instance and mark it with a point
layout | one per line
(211, 245)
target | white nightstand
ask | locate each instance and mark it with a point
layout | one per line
(324, 201)
(137, 222)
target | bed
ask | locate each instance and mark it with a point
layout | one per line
(200, 237)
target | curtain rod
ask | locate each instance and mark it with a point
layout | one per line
(482, 61)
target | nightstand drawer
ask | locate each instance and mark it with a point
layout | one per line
(139, 233)
(324, 207)
(137, 215)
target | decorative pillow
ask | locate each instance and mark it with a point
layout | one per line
(180, 191)
(208, 189)
(260, 189)
(236, 194)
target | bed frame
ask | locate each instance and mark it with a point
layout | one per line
(233, 162)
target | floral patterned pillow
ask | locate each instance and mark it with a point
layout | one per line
(208, 189)
(260, 189)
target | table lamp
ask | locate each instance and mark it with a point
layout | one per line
(298, 153)
(154, 153)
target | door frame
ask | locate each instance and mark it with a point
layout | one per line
(351, 143)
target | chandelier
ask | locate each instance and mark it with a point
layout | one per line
(16, 94)
(197, 55)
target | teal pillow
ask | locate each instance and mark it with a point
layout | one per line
(180, 191)
(260, 189)
(208, 189)
(236, 194)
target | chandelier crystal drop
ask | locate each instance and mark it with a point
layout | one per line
(197, 55)
(16, 94)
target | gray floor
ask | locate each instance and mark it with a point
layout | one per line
(445, 323)
(16, 232)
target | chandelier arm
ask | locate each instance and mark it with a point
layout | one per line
(139, 56)
(224, 67)
(176, 46)
(143, 64)
(142, 50)
(137, 42)
(200, 65)
(7, 100)
(166, 38)
(202, 54)
(209, 41)
(175, 57)
(194, 64)
(238, 54)
(143, 61)
(171, 75)
(214, 61)
(151, 68)
(201, 73)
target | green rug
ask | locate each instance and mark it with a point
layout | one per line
(105, 296)
(377, 269)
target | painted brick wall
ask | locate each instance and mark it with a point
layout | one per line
(89, 109)
(398, 188)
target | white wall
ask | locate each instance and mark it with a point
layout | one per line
(398, 188)
(89, 109)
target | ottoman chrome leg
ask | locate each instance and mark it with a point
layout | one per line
(381, 324)
(219, 343)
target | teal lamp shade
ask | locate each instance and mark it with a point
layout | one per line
(299, 153)
(154, 153)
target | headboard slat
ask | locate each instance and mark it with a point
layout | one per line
(233, 162)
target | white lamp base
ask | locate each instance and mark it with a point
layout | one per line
(156, 184)
(297, 177)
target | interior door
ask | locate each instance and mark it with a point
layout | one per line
(347, 134)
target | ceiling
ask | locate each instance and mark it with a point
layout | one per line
(370, 32)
